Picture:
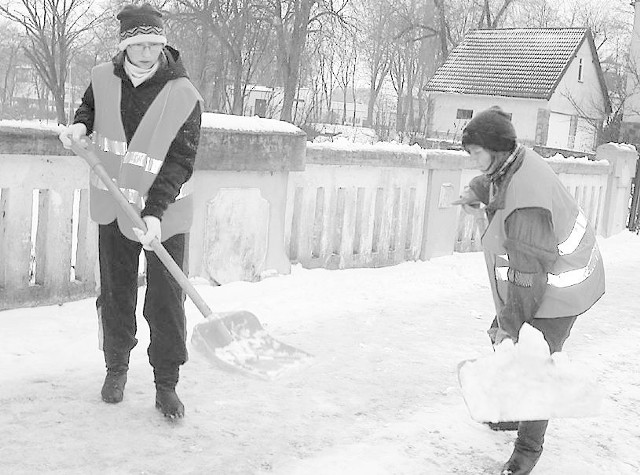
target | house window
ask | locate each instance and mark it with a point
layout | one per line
(464, 114)
(580, 69)
(261, 108)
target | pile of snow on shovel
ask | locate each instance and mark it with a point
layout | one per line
(522, 381)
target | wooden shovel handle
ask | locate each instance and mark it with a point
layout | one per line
(94, 162)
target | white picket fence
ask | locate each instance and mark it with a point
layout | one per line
(48, 246)
(346, 208)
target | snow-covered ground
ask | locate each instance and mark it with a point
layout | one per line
(380, 398)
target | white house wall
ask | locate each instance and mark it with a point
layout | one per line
(632, 104)
(445, 125)
(577, 98)
(587, 93)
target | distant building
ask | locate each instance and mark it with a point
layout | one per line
(266, 102)
(631, 119)
(548, 79)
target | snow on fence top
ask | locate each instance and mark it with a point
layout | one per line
(209, 120)
(281, 146)
(32, 124)
(245, 124)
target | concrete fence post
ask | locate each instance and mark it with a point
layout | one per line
(240, 197)
(622, 159)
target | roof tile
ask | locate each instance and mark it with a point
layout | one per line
(512, 62)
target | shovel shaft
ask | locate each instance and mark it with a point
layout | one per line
(94, 162)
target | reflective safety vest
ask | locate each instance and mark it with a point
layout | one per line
(135, 166)
(576, 280)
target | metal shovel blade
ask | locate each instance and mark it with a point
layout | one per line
(252, 350)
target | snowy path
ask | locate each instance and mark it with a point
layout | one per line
(381, 397)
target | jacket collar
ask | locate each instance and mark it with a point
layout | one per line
(500, 179)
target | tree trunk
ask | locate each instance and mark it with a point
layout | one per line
(237, 104)
(373, 97)
(290, 51)
(443, 29)
(61, 115)
(400, 115)
(290, 84)
(353, 93)
(344, 105)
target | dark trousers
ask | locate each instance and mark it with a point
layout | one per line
(163, 303)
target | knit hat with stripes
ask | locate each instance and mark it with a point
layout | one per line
(140, 24)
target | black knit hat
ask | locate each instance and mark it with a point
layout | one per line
(490, 129)
(140, 24)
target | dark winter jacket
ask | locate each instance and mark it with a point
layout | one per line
(178, 164)
(531, 246)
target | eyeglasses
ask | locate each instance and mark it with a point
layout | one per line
(140, 47)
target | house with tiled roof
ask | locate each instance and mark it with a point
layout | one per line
(631, 121)
(548, 79)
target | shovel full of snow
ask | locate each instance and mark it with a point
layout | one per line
(523, 382)
(232, 340)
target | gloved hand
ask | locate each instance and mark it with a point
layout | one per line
(497, 334)
(153, 231)
(470, 202)
(75, 131)
(500, 336)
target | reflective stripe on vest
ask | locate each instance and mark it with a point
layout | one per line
(578, 231)
(567, 278)
(105, 144)
(135, 166)
(134, 196)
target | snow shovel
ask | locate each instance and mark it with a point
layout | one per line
(522, 382)
(232, 340)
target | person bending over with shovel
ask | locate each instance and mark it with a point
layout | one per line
(541, 252)
(143, 115)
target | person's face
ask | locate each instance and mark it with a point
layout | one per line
(144, 55)
(484, 157)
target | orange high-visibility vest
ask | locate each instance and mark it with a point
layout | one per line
(576, 280)
(135, 166)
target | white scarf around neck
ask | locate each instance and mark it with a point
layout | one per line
(137, 74)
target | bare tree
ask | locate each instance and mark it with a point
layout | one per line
(10, 45)
(533, 14)
(413, 34)
(241, 30)
(456, 17)
(490, 18)
(317, 71)
(52, 27)
(444, 31)
(293, 21)
(344, 67)
(376, 46)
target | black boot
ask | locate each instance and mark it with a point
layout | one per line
(167, 401)
(117, 367)
(528, 448)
